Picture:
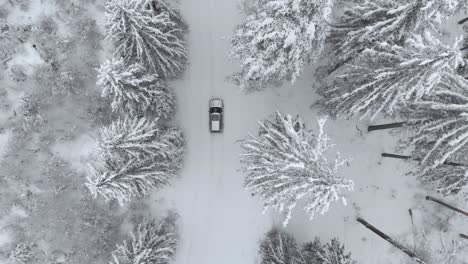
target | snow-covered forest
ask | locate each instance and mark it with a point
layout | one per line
(344, 136)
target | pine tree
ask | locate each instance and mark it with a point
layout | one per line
(134, 91)
(277, 39)
(440, 120)
(146, 35)
(124, 181)
(287, 162)
(279, 247)
(369, 23)
(331, 253)
(139, 138)
(136, 156)
(388, 77)
(150, 242)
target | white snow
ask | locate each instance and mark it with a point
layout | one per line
(77, 152)
(28, 57)
(5, 238)
(36, 10)
(4, 139)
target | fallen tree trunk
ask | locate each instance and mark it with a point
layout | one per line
(461, 22)
(385, 126)
(387, 238)
(429, 198)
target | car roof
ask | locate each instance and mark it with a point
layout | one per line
(216, 102)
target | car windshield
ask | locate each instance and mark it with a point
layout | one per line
(215, 117)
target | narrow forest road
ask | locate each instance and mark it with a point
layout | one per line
(219, 222)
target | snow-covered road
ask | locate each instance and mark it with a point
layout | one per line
(220, 223)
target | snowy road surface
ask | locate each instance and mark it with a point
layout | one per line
(219, 222)
(216, 214)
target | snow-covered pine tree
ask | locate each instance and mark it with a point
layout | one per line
(278, 247)
(136, 156)
(367, 23)
(440, 121)
(139, 138)
(388, 77)
(150, 242)
(445, 179)
(134, 91)
(331, 253)
(277, 39)
(133, 179)
(288, 162)
(147, 36)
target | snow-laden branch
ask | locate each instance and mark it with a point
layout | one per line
(279, 247)
(136, 155)
(134, 91)
(287, 162)
(445, 179)
(388, 77)
(149, 36)
(133, 179)
(138, 138)
(150, 242)
(277, 39)
(441, 122)
(365, 24)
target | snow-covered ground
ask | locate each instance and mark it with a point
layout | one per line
(220, 222)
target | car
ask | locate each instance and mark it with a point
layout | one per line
(216, 115)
